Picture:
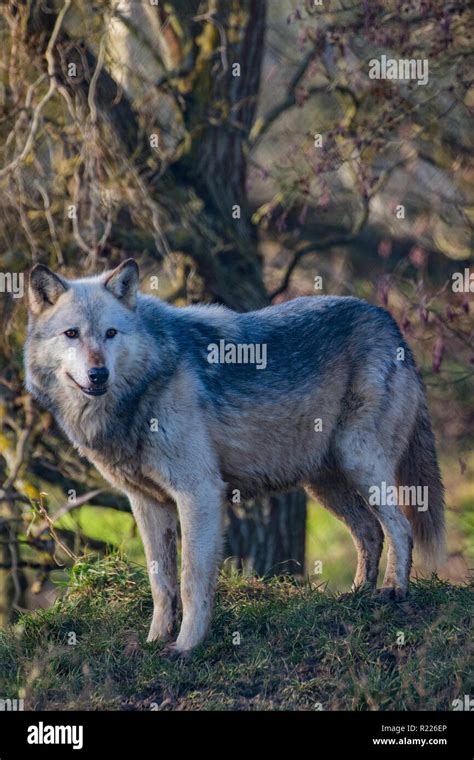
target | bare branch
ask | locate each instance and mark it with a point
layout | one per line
(49, 55)
(67, 507)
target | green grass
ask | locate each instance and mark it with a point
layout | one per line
(300, 648)
(108, 525)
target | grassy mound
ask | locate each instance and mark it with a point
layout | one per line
(300, 648)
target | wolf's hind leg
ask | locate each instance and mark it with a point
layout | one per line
(340, 498)
(157, 525)
(399, 555)
(369, 467)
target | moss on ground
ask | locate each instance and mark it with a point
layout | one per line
(300, 648)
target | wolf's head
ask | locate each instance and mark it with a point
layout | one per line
(82, 337)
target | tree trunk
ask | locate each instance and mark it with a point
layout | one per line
(267, 537)
(7, 590)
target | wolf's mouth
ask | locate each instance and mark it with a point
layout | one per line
(92, 390)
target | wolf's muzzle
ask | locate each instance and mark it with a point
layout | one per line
(92, 390)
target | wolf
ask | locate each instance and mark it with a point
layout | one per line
(338, 407)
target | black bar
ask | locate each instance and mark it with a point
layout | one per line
(319, 734)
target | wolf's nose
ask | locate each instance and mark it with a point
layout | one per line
(98, 375)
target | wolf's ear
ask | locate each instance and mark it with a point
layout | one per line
(44, 288)
(123, 282)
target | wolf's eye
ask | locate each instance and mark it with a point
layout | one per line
(111, 333)
(72, 333)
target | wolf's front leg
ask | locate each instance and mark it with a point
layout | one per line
(157, 525)
(201, 519)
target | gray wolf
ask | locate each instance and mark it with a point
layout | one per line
(174, 412)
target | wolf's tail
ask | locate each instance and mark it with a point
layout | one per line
(419, 467)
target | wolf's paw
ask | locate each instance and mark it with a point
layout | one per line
(346, 596)
(160, 630)
(390, 594)
(358, 589)
(173, 652)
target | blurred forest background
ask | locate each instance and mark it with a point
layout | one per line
(239, 150)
